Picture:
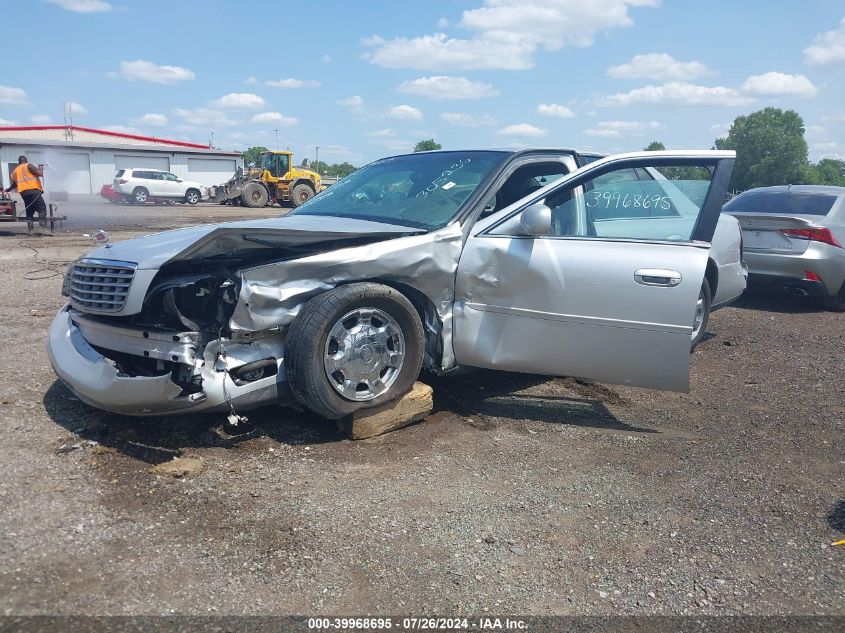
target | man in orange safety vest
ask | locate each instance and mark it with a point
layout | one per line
(26, 178)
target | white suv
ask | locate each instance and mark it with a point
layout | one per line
(148, 185)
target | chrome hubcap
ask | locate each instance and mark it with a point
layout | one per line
(699, 314)
(364, 353)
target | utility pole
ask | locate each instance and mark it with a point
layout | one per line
(317, 160)
(276, 147)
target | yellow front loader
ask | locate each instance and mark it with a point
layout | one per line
(274, 179)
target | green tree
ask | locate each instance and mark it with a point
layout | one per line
(654, 146)
(252, 154)
(427, 145)
(770, 149)
(342, 169)
(321, 167)
(827, 171)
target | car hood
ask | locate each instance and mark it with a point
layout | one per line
(232, 238)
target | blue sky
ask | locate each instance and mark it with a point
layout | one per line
(367, 79)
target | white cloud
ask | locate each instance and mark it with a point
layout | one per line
(615, 129)
(394, 144)
(152, 118)
(7, 122)
(404, 112)
(327, 59)
(202, 117)
(506, 34)
(679, 93)
(82, 6)
(721, 129)
(238, 100)
(355, 103)
(41, 119)
(774, 83)
(444, 87)
(522, 129)
(140, 70)
(251, 80)
(76, 108)
(292, 83)
(12, 96)
(123, 129)
(658, 67)
(835, 117)
(828, 48)
(553, 109)
(462, 119)
(276, 118)
(385, 133)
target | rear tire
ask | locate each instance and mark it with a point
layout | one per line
(835, 303)
(140, 195)
(369, 334)
(301, 194)
(192, 196)
(702, 314)
(254, 195)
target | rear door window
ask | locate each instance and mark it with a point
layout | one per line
(118, 173)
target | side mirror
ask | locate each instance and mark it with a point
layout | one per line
(535, 220)
(178, 180)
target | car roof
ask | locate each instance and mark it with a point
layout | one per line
(161, 171)
(827, 190)
(501, 150)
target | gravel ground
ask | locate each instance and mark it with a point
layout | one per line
(518, 495)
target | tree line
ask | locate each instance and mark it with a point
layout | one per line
(771, 150)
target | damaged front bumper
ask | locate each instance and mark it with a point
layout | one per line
(217, 378)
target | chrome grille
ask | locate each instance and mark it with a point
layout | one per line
(100, 285)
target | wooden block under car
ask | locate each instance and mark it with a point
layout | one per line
(412, 407)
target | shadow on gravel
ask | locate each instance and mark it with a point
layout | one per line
(769, 300)
(495, 394)
(158, 439)
(836, 517)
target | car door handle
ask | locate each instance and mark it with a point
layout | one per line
(657, 277)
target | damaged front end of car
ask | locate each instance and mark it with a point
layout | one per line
(204, 329)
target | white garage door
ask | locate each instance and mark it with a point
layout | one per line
(68, 172)
(125, 161)
(211, 171)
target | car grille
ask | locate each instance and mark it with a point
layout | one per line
(100, 286)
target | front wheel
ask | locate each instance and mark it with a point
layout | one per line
(301, 194)
(254, 195)
(702, 314)
(192, 196)
(353, 347)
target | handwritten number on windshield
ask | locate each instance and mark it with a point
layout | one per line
(443, 178)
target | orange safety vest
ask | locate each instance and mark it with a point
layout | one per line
(25, 179)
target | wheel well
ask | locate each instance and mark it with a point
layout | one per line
(192, 189)
(302, 181)
(712, 275)
(429, 317)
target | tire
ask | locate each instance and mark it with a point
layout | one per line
(835, 303)
(192, 196)
(702, 314)
(300, 194)
(140, 195)
(315, 341)
(254, 195)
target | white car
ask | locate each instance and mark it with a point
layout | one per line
(148, 185)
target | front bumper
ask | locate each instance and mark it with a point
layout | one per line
(97, 382)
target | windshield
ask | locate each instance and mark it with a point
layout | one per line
(418, 190)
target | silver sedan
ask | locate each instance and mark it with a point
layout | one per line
(793, 238)
(582, 268)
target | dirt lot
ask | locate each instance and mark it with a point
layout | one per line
(518, 495)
